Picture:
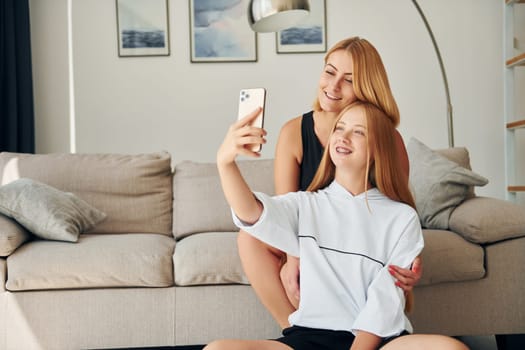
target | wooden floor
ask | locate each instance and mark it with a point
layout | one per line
(480, 343)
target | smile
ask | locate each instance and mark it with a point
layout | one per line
(343, 150)
(332, 97)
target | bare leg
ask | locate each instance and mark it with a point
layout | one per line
(235, 344)
(425, 341)
(262, 265)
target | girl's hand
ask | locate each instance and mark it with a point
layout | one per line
(239, 139)
(406, 279)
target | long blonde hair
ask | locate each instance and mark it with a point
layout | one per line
(383, 170)
(370, 81)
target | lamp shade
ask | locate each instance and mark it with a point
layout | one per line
(276, 15)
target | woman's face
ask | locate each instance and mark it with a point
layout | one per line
(336, 89)
(348, 142)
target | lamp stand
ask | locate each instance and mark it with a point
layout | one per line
(450, 125)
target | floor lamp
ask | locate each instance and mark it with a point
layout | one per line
(276, 15)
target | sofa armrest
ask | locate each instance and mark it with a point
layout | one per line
(12, 235)
(488, 220)
(3, 274)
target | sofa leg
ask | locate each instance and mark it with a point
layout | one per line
(510, 341)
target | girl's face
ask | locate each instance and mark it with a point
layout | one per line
(336, 89)
(348, 142)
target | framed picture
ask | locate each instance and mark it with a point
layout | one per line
(307, 36)
(142, 28)
(219, 32)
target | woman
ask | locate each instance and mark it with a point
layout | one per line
(353, 71)
(357, 217)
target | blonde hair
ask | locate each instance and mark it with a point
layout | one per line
(370, 81)
(383, 166)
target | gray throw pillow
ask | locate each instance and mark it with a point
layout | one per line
(439, 185)
(46, 211)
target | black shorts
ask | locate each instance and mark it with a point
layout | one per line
(304, 338)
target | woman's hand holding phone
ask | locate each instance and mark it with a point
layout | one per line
(241, 138)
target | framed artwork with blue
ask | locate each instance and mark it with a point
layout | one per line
(309, 35)
(142, 27)
(220, 32)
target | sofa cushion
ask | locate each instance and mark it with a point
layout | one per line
(96, 261)
(447, 257)
(135, 191)
(198, 201)
(439, 184)
(488, 220)
(12, 235)
(47, 212)
(217, 263)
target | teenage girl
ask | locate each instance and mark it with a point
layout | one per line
(356, 218)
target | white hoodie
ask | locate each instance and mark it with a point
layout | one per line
(345, 248)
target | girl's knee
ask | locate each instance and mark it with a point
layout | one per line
(217, 345)
(425, 341)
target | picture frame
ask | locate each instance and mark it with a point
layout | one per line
(309, 36)
(142, 28)
(220, 32)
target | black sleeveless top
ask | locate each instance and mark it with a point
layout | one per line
(312, 151)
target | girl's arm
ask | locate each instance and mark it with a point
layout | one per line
(384, 310)
(236, 190)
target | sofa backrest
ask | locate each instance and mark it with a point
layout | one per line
(198, 201)
(135, 191)
(199, 204)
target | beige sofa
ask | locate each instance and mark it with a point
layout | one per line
(162, 268)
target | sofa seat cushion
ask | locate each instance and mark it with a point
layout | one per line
(208, 258)
(447, 257)
(95, 261)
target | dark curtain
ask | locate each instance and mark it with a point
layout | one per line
(17, 131)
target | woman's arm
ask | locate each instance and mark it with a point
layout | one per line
(407, 279)
(288, 156)
(236, 190)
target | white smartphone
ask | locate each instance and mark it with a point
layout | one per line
(249, 100)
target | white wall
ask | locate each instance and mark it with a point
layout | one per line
(519, 93)
(50, 74)
(135, 105)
